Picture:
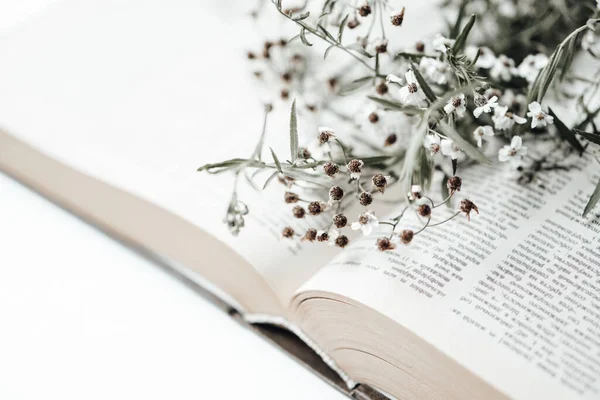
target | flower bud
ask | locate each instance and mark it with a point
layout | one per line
(310, 235)
(365, 10)
(384, 244)
(454, 184)
(299, 212)
(315, 208)
(342, 241)
(340, 220)
(287, 232)
(336, 193)
(406, 236)
(330, 169)
(424, 210)
(290, 197)
(365, 199)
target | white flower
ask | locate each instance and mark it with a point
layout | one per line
(332, 236)
(441, 43)
(504, 120)
(513, 152)
(538, 116)
(432, 143)
(481, 132)
(531, 66)
(434, 70)
(484, 106)
(366, 223)
(450, 149)
(325, 129)
(411, 93)
(391, 78)
(457, 104)
(415, 192)
(486, 57)
(503, 68)
(588, 39)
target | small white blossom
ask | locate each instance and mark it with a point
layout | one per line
(485, 106)
(415, 192)
(513, 152)
(432, 143)
(391, 78)
(332, 236)
(450, 149)
(486, 57)
(441, 43)
(588, 39)
(531, 66)
(411, 93)
(457, 104)
(481, 132)
(504, 120)
(538, 116)
(434, 70)
(366, 223)
(503, 68)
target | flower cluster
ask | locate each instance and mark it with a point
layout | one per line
(406, 114)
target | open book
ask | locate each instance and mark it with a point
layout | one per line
(110, 118)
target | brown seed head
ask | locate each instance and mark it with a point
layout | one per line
(325, 136)
(390, 140)
(380, 182)
(287, 232)
(336, 193)
(398, 18)
(310, 235)
(285, 94)
(467, 206)
(406, 236)
(342, 241)
(454, 184)
(331, 168)
(381, 89)
(299, 212)
(290, 197)
(381, 48)
(373, 118)
(420, 47)
(315, 208)
(286, 77)
(353, 23)
(251, 55)
(365, 199)
(384, 244)
(304, 153)
(355, 166)
(364, 10)
(323, 237)
(340, 220)
(424, 210)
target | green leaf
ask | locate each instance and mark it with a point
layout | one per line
(269, 179)
(303, 37)
(592, 137)
(445, 191)
(293, 133)
(326, 32)
(461, 39)
(593, 201)
(359, 49)
(392, 105)
(469, 149)
(566, 133)
(342, 27)
(276, 160)
(461, 14)
(301, 16)
(327, 50)
(354, 85)
(424, 85)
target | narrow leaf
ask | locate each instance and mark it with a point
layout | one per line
(293, 133)
(326, 32)
(592, 137)
(269, 179)
(566, 133)
(461, 40)
(359, 49)
(469, 149)
(424, 85)
(445, 191)
(593, 201)
(303, 37)
(392, 105)
(328, 50)
(342, 27)
(301, 16)
(276, 160)
(461, 14)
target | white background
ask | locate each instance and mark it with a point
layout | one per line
(82, 317)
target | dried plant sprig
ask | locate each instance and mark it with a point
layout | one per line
(451, 95)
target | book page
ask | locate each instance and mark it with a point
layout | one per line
(517, 286)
